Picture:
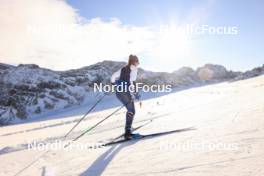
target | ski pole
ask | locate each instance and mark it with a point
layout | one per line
(44, 153)
(98, 101)
(98, 123)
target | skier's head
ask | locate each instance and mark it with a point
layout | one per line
(133, 60)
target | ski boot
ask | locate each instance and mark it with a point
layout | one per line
(129, 135)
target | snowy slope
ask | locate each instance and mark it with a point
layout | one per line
(28, 91)
(228, 139)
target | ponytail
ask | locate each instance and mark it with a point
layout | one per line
(132, 60)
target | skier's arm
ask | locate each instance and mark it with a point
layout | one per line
(133, 77)
(115, 76)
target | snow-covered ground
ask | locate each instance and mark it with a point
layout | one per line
(228, 140)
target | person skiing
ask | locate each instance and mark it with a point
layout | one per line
(125, 79)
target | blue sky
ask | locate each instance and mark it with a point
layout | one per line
(242, 51)
(68, 34)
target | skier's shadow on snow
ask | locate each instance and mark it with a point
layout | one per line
(100, 164)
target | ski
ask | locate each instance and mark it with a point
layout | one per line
(148, 136)
(149, 120)
(114, 139)
(133, 130)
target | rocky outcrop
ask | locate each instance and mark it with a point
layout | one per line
(251, 73)
(215, 73)
(28, 89)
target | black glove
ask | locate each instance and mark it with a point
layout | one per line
(137, 96)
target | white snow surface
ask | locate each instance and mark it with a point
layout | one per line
(228, 138)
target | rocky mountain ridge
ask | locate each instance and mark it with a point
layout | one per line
(28, 89)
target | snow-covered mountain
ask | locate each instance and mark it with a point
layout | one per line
(28, 90)
(227, 138)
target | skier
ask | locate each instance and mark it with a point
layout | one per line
(126, 77)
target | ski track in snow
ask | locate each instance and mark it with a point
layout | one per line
(225, 113)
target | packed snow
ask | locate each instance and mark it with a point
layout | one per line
(227, 140)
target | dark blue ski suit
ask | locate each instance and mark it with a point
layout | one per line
(127, 76)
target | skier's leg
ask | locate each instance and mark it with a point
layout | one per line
(127, 100)
(130, 115)
(123, 98)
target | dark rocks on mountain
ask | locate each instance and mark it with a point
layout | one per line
(58, 95)
(50, 85)
(5, 66)
(251, 73)
(31, 66)
(28, 89)
(48, 105)
(38, 110)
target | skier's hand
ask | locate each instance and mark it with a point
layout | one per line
(137, 96)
